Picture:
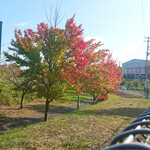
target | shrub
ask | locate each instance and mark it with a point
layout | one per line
(102, 98)
(7, 95)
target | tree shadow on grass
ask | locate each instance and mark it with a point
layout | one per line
(126, 112)
(18, 123)
(22, 122)
(4, 118)
(40, 108)
(52, 108)
(53, 112)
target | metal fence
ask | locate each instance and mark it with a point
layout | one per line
(134, 136)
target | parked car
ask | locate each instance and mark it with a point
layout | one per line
(123, 88)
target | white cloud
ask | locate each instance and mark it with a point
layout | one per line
(97, 38)
(21, 24)
(136, 50)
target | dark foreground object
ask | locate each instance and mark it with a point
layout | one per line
(135, 136)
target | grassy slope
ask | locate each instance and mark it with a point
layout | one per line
(90, 128)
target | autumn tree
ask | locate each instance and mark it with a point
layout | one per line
(114, 73)
(94, 84)
(50, 56)
(106, 75)
(77, 56)
(42, 54)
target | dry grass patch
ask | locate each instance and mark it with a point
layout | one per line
(128, 94)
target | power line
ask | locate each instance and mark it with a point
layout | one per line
(0, 36)
(145, 8)
(143, 18)
(137, 50)
(149, 18)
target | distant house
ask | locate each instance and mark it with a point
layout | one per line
(135, 68)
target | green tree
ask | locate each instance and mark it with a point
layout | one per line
(129, 85)
(12, 74)
(123, 82)
(136, 84)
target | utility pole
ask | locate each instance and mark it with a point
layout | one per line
(119, 64)
(119, 74)
(0, 37)
(147, 53)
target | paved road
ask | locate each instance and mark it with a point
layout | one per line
(135, 91)
(39, 117)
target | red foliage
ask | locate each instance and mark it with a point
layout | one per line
(74, 52)
(77, 55)
(102, 98)
(76, 42)
(114, 72)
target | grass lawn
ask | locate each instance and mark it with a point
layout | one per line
(74, 98)
(90, 128)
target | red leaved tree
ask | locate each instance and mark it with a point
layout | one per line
(106, 73)
(77, 55)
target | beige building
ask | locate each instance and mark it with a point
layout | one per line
(135, 68)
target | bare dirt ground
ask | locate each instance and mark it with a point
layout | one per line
(34, 113)
(9, 113)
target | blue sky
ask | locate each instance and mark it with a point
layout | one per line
(120, 24)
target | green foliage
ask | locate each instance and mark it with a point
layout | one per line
(7, 95)
(42, 54)
(123, 82)
(11, 86)
(30, 97)
(135, 84)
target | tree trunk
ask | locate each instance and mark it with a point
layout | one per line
(78, 103)
(93, 100)
(22, 100)
(46, 109)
